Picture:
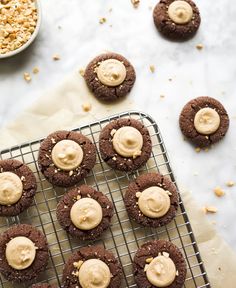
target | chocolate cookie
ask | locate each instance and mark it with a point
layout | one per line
(43, 285)
(66, 157)
(110, 76)
(204, 121)
(152, 262)
(125, 144)
(177, 20)
(152, 200)
(81, 269)
(23, 253)
(17, 187)
(87, 225)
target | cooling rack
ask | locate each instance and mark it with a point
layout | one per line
(124, 236)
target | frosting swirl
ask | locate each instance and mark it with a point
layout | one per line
(67, 155)
(161, 272)
(111, 72)
(154, 202)
(94, 273)
(11, 188)
(206, 121)
(20, 252)
(128, 141)
(86, 213)
(180, 12)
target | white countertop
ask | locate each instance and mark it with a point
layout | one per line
(131, 32)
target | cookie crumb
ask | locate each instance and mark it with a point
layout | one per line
(219, 192)
(86, 107)
(199, 46)
(210, 209)
(152, 68)
(35, 70)
(82, 72)
(230, 183)
(135, 3)
(56, 57)
(27, 77)
(197, 149)
(162, 96)
(102, 20)
(110, 10)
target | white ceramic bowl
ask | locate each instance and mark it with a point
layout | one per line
(33, 36)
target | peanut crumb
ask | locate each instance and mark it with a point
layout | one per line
(71, 173)
(114, 158)
(149, 260)
(56, 57)
(78, 197)
(152, 68)
(75, 273)
(199, 46)
(53, 141)
(78, 264)
(177, 273)
(35, 70)
(210, 209)
(102, 20)
(230, 183)
(219, 192)
(135, 3)
(145, 267)
(27, 77)
(197, 149)
(113, 131)
(138, 194)
(165, 254)
(82, 72)
(86, 107)
(22, 178)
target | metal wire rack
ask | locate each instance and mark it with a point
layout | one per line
(124, 236)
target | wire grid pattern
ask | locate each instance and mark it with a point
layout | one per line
(124, 236)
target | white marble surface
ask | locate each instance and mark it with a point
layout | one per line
(211, 71)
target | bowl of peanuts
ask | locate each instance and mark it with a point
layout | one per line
(20, 21)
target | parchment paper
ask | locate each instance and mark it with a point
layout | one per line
(62, 109)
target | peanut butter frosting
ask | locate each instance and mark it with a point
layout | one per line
(20, 252)
(111, 72)
(94, 273)
(206, 121)
(67, 155)
(154, 202)
(128, 142)
(161, 272)
(86, 213)
(180, 12)
(11, 188)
